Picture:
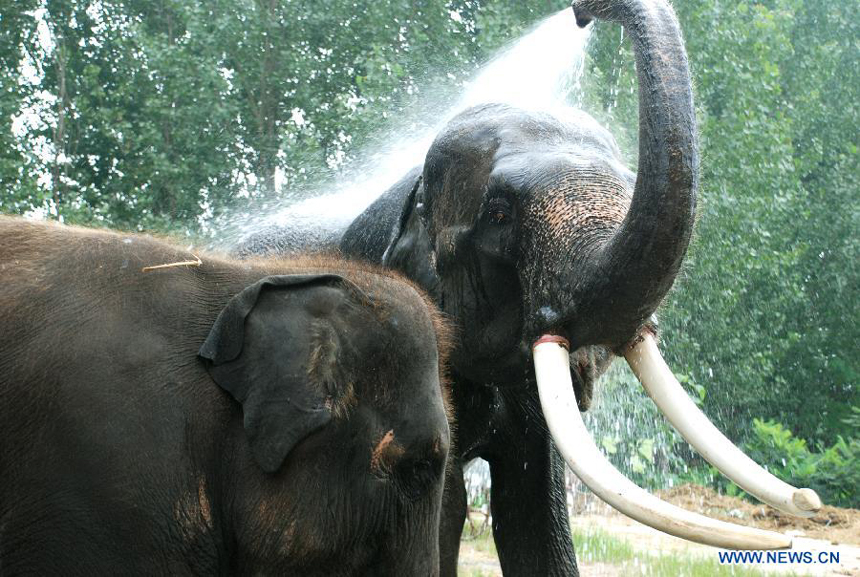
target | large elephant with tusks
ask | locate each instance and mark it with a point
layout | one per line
(528, 230)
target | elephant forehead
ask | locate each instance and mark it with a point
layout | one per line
(407, 339)
(407, 321)
(581, 200)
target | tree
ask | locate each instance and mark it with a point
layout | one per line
(18, 60)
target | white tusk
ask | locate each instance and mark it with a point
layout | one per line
(651, 370)
(552, 370)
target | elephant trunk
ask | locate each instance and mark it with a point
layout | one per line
(629, 268)
(635, 267)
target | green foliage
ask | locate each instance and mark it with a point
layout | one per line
(166, 115)
(17, 39)
(635, 436)
(833, 472)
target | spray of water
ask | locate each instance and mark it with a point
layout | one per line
(540, 71)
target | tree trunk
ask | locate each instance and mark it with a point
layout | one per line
(59, 132)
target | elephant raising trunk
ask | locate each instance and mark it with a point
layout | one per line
(527, 227)
(633, 270)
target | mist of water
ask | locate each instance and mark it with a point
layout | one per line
(540, 71)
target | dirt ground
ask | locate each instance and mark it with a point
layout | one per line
(831, 523)
(832, 529)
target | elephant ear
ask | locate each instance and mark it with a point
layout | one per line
(392, 231)
(261, 348)
(411, 251)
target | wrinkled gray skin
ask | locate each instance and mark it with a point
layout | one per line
(520, 224)
(280, 417)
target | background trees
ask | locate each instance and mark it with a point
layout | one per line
(167, 114)
(161, 114)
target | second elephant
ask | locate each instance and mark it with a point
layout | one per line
(214, 417)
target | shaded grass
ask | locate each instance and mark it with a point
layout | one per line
(598, 546)
(483, 543)
(689, 566)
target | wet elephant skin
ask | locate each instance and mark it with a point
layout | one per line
(282, 417)
(523, 223)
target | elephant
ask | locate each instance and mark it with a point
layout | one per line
(170, 414)
(301, 236)
(530, 233)
(522, 223)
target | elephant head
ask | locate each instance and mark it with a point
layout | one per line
(527, 227)
(340, 378)
(524, 223)
(265, 417)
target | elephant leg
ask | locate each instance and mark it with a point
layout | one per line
(530, 521)
(475, 408)
(454, 511)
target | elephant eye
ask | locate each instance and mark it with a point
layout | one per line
(499, 211)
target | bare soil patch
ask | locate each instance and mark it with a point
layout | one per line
(831, 523)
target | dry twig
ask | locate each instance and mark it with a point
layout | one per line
(196, 262)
